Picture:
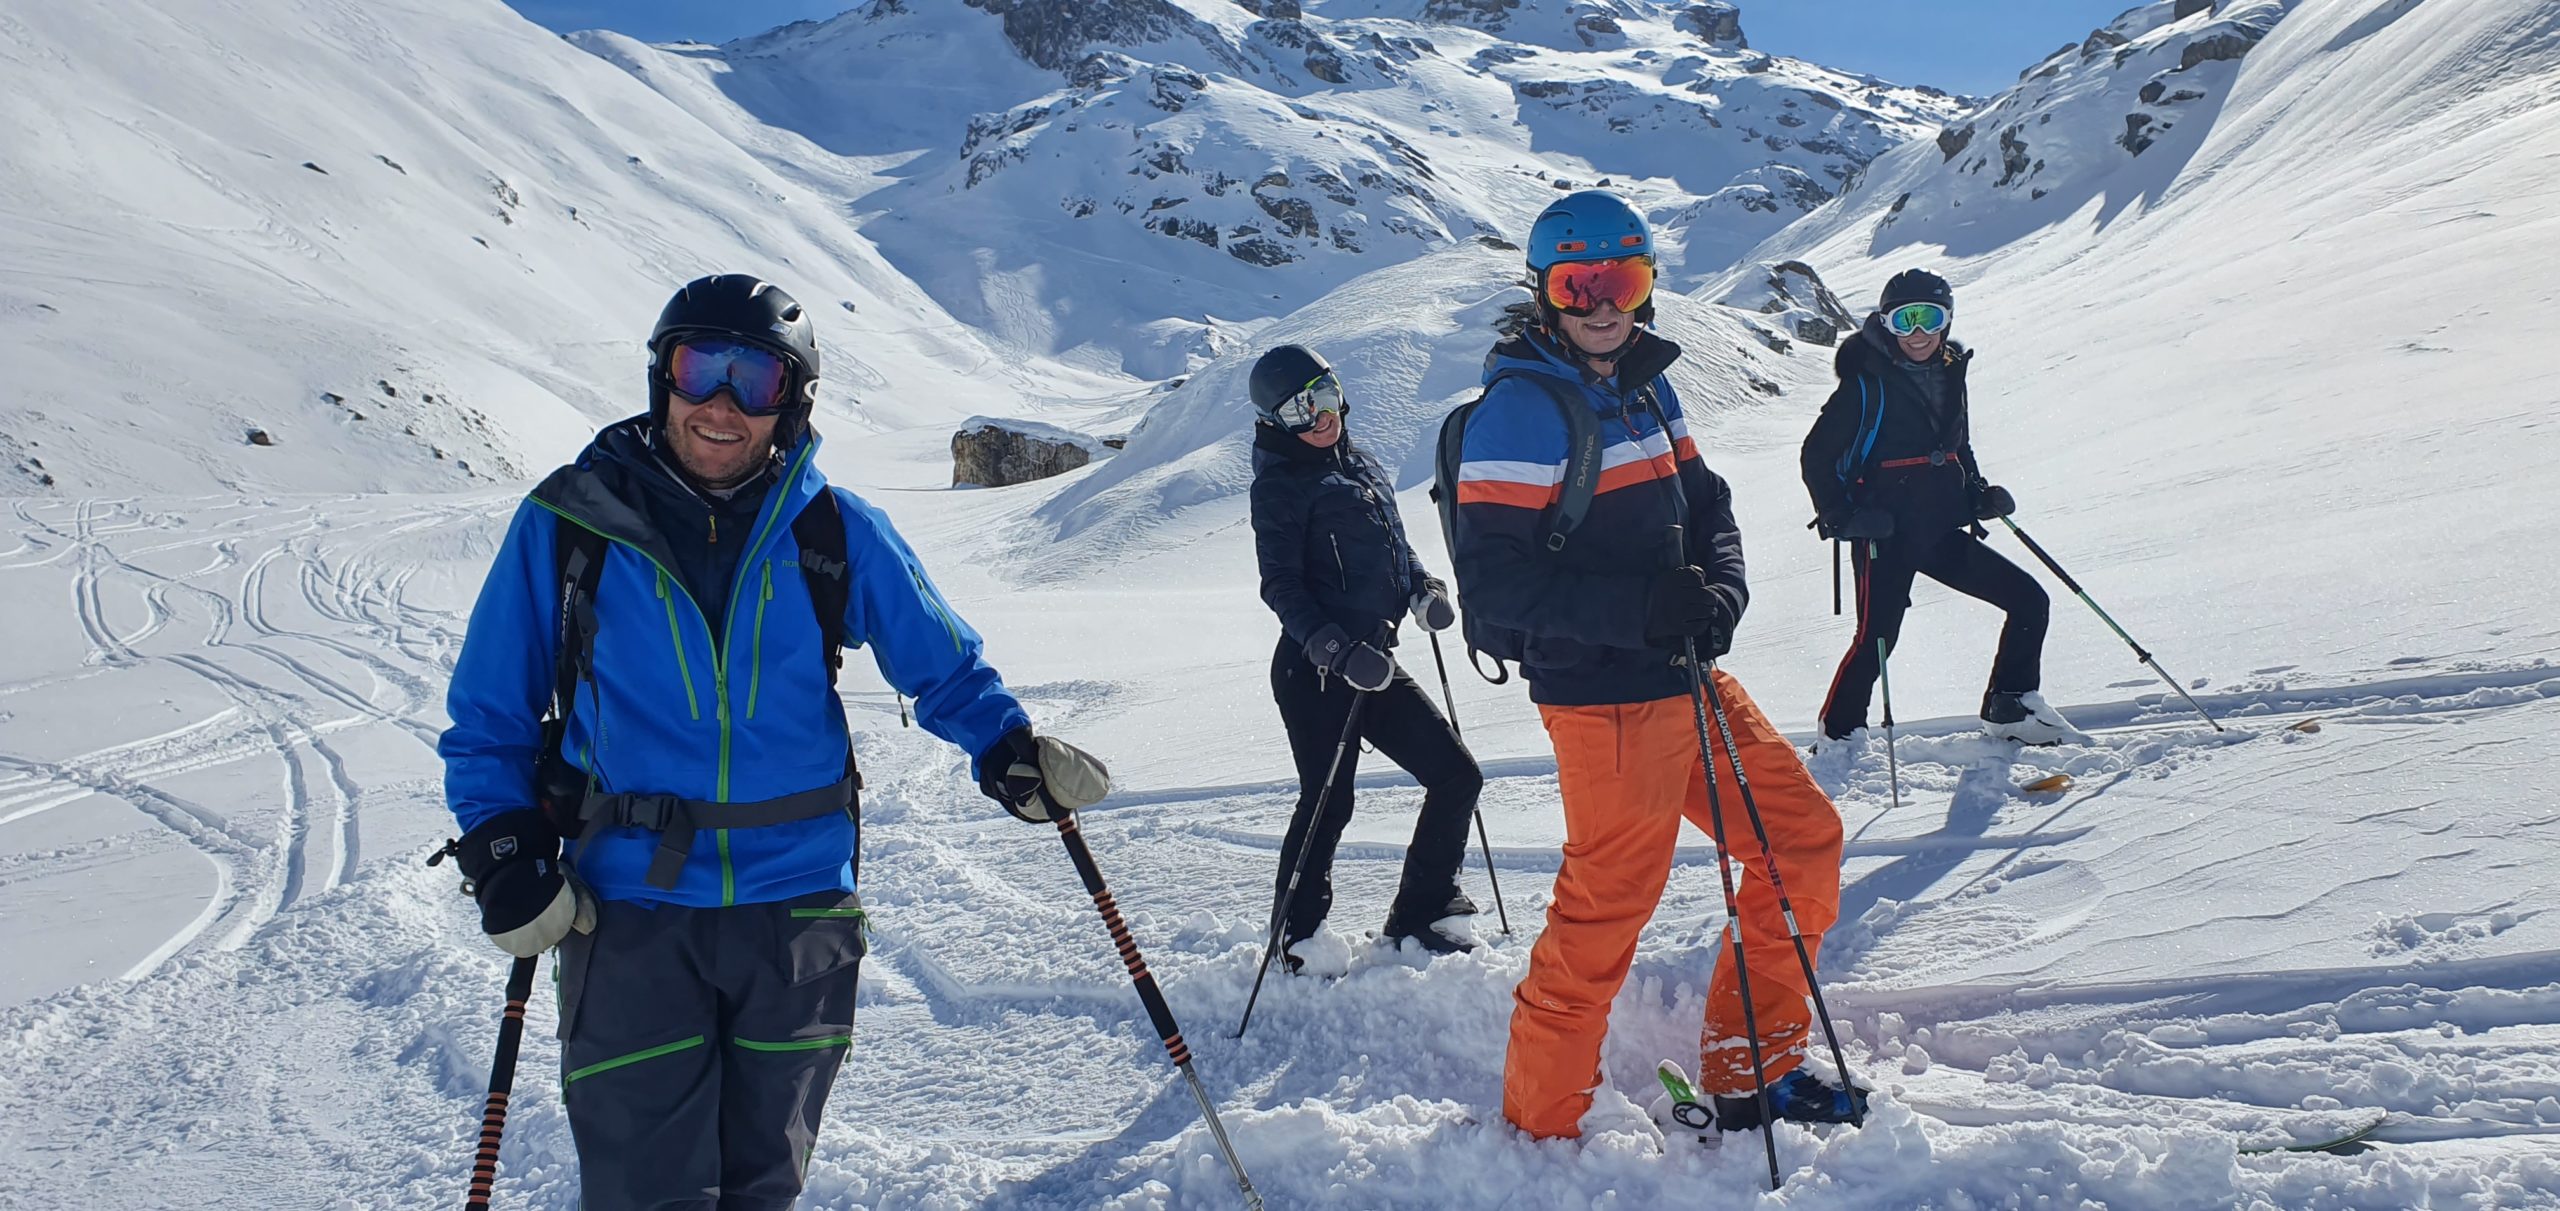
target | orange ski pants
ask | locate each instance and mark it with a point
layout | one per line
(1629, 774)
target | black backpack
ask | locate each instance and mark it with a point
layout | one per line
(578, 563)
(1581, 482)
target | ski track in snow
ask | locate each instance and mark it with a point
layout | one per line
(321, 1023)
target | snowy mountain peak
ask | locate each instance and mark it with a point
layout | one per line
(1239, 160)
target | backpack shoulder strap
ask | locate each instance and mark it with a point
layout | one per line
(1581, 458)
(819, 533)
(577, 564)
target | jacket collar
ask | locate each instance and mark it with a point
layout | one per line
(1536, 351)
(606, 490)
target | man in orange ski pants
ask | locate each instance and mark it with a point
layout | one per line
(1629, 775)
(1594, 546)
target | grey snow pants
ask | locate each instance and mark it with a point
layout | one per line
(698, 1046)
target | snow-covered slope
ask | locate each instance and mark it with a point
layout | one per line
(2275, 388)
(1064, 174)
(417, 244)
(2308, 320)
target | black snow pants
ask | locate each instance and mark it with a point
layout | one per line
(1401, 722)
(1961, 562)
(698, 1046)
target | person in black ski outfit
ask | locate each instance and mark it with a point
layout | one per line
(1891, 470)
(1337, 570)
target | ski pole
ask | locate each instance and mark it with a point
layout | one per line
(1450, 700)
(1835, 578)
(1306, 842)
(2103, 616)
(1884, 675)
(1733, 912)
(1786, 908)
(1151, 996)
(502, 1081)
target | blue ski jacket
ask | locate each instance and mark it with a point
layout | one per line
(1583, 608)
(740, 713)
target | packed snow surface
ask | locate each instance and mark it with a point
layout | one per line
(2277, 389)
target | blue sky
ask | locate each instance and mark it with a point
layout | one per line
(1972, 46)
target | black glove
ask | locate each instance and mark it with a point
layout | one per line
(1992, 501)
(1365, 667)
(1431, 608)
(1849, 523)
(1679, 605)
(529, 899)
(1041, 778)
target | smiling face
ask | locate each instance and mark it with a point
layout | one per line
(1328, 430)
(716, 444)
(1601, 333)
(1921, 346)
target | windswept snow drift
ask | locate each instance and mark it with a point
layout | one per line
(2274, 387)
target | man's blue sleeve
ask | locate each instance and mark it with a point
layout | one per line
(923, 648)
(502, 681)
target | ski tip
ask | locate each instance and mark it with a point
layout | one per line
(2051, 785)
(1675, 1081)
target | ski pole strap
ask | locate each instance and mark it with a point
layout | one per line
(1934, 458)
(677, 819)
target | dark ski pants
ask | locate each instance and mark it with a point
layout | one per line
(698, 1046)
(1961, 562)
(1403, 724)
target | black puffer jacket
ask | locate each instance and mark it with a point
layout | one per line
(1330, 543)
(1895, 435)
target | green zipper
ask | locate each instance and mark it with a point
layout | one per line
(675, 635)
(932, 599)
(755, 679)
(719, 646)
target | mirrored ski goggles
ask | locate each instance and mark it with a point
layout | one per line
(1298, 412)
(1918, 317)
(755, 377)
(1578, 288)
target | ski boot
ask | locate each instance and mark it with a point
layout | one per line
(1797, 1097)
(2027, 719)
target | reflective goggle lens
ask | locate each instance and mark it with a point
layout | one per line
(755, 377)
(1917, 317)
(1298, 412)
(1579, 287)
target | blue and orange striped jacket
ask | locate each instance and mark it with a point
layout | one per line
(1583, 608)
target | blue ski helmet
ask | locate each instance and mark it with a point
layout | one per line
(1593, 225)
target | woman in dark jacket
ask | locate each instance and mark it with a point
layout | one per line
(1890, 466)
(1337, 570)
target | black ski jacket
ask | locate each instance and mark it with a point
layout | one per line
(1895, 435)
(1326, 533)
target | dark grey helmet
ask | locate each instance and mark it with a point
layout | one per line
(743, 307)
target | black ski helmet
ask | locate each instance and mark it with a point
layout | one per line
(746, 308)
(1282, 373)
(1917, 286)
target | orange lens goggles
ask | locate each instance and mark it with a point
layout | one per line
(1579, 287)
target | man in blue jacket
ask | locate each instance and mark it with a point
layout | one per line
(647, 677)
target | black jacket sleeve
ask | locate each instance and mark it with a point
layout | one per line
(1715, 539)
(1280, 547)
